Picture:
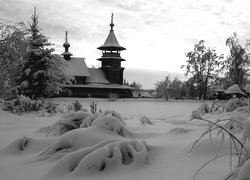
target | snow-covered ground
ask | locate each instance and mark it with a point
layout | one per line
(169, 139)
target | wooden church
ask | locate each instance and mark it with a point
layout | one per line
(106, 81)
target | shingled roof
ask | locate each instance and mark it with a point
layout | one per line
(78, 67)
(111, 43)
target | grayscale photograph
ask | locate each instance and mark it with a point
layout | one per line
(124, 89)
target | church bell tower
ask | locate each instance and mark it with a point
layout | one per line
(111, 59)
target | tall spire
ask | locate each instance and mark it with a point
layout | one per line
(66, 36)
(111, 43)
(66, 45)
(112, 24)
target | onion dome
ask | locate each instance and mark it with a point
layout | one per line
(66, 54)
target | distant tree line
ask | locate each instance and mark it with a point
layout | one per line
(208, 69)
(27, 65)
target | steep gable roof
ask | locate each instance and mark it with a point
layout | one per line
(78, 67)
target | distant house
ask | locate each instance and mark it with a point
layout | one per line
(105, 81)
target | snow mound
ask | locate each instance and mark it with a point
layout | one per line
(145, 120)
(103, 128)
(113, 125)
(74, 140)
(91, 143)
(26, 145)
(180, 130)
(102, 156)
(87, 122)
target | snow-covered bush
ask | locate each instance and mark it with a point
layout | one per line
(145, 120)
(102, 128)
(217, 107)
(93, 107)
(49, 107)
(112, 124)
(204, 108)
(76, 106)
(237, 147)
(80, 119)
(196, 114)
(22, 104)
(101, 157)
(112, 113)
(91, 144)
(232, 104)
(68, 122)
(242, 170)
(88, 121)
(63, 108)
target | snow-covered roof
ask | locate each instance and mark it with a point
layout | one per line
(234, 89)
(96, 76)
(78, 67)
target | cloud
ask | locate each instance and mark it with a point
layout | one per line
(156, 33)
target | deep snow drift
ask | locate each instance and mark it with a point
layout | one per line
(144, 140)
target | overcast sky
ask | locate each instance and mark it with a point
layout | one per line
(156, 33)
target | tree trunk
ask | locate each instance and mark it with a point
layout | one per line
(205, 89)
(200, 91)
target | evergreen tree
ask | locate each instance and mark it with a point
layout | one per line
(34, 80)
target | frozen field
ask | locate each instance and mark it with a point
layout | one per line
(169, 138)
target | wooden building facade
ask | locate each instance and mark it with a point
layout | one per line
(103, 82)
